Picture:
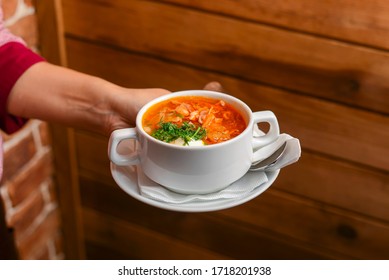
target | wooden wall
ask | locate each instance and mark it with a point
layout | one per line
(321, 66)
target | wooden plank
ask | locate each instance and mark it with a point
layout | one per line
(332, 224)
(316, 66)
(322, 126)
(8, 250)
(329, 212)
(316, 223)
(362, 22)
(331, 182)
(52, 48)
(305, 220)
(339, 184)
(92, 152)
(137, 242)
(65, 177)
(238, 241)
(96, 251)
(51, 31)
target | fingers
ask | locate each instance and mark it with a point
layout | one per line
(214, 86)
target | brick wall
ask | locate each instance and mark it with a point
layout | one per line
(27, 188)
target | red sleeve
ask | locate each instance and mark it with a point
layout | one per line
(15, 59)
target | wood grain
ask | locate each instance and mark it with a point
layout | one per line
(322, 126)
(65, 174)
(237, 241)
(361, 22)
(315, 66)
(316, 223)
(341, 184)
(8, 250)
(326, 180)
(322, 70)
(271, 226)
(332, 182)
(281, 213)
(136, 242)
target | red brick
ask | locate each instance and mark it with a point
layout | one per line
(44, 134)
(17, 156)
(27, 213)
(58, 243)
(30, 2)
(23, 188)
(42, 254)
(35, 242)
(5, 136)
(30, 179)
(9, 7)
(52, 192)
(26, 28)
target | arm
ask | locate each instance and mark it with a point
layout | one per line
(61, 95)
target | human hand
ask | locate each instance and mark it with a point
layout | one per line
(126, 105)
(214, 86)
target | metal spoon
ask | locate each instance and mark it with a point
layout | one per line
(270, 160)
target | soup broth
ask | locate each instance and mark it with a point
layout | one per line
(188, 119)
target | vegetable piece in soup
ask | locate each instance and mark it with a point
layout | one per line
(190, 120)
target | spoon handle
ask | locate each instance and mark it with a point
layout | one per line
(291, 155)
(269, 160)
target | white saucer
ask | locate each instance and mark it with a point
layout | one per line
(126, 178)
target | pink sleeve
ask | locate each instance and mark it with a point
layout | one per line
(15, 59)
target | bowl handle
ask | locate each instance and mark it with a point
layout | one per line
(271, 135)
(116, 137)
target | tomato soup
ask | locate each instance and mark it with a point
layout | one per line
(193, 118)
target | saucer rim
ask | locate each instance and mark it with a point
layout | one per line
(184, 207)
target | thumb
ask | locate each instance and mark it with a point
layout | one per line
(214, 86)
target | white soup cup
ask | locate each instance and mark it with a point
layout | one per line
(195, 169)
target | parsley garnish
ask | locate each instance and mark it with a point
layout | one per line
(169, 132)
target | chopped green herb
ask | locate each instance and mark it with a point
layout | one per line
(169, 132)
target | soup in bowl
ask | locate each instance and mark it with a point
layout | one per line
(194, 142)
(193, 121)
